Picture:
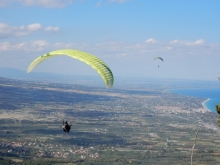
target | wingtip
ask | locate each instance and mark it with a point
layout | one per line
(29, 70)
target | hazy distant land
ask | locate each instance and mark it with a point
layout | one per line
(138, 123)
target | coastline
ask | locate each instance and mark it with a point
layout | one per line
(210, 96)
(203, 104)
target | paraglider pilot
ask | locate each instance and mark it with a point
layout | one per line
(66, 126)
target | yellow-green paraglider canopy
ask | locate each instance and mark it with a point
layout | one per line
(89, 59)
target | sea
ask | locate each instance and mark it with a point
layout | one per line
(212, 95)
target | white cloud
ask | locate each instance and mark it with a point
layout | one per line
(36, 45)
(46, 3)
(189, 43)
(50, 3)
(13, 31)
(50, 28)
(199, 42)
(151, 40)
(42, 3)
(174, 42)
(4, 30)
(5, 46)
(34, 27)
(7, 31)
(39, 44)
(113, 50)
(168, 48)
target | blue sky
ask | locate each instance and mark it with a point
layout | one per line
(126, 34)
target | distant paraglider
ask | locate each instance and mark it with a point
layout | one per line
(89, 59)
(156, 58)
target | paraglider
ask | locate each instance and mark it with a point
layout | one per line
(66, 127)
(156, 58)
(89, 59)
